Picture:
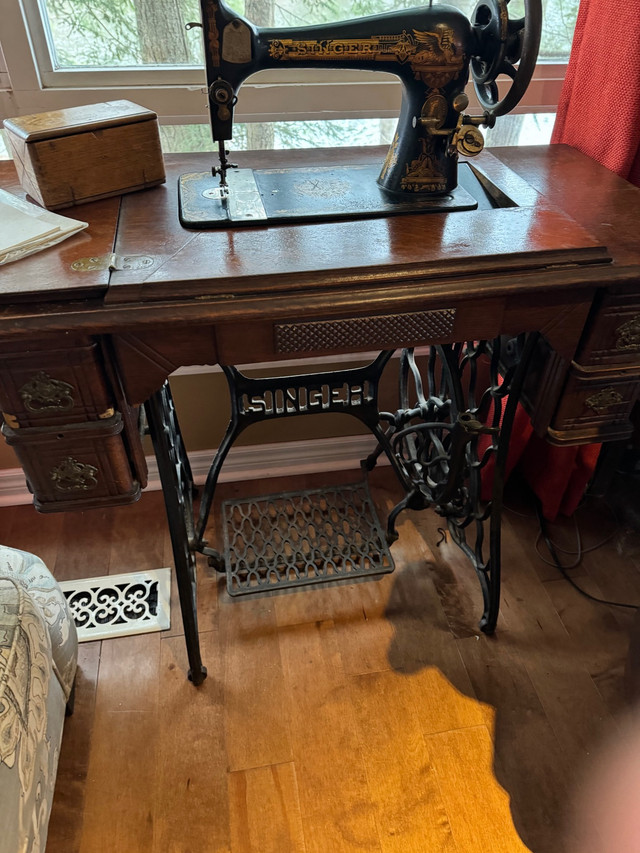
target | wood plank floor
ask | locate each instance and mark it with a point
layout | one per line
(364, 717)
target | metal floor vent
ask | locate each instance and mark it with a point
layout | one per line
(297, 538)
(119, 605)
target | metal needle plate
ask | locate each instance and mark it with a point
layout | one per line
(271, 196)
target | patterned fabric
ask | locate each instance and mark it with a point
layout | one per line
(38, 652)
(33, 576)
(31, 716)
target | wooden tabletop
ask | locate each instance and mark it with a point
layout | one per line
(326, 255)
(574, 223)
(48, 274)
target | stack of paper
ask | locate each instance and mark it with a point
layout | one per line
(26, 228)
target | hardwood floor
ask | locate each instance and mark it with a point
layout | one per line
(370, 716)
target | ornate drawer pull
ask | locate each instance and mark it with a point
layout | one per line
(629, 334)
(71, 475)
(42, 393)
(603, 400)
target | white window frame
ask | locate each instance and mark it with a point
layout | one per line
(5, 82)
(178, 94)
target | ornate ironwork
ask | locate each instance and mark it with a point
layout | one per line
(71, 476)
(353, 392)
(450, 430)
(42, 393)
(297, 538)
(177, 486)
(443, 439)
(603, 400)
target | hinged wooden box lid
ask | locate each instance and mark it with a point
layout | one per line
(67, 157)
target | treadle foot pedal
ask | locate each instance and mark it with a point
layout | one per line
(293, 539)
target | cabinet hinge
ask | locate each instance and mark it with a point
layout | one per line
(112, 261)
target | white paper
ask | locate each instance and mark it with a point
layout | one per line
(26, 228)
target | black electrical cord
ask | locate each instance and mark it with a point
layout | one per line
(544, 534)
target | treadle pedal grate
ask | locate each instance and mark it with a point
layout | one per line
(297, 538)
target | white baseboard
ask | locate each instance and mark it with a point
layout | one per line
(258, 461)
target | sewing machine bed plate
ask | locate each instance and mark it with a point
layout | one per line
(270, 196)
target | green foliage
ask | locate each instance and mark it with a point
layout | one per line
(286, 134)
(105, 33)
(90, 33)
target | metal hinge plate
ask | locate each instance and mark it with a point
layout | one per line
(113, 262)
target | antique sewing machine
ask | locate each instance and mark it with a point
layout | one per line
(432, 49)
(449, 425)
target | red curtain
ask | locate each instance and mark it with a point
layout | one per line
(599, 114)
(599, 108)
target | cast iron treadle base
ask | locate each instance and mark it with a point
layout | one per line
(297, 538)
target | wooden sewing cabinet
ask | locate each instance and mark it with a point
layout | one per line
(91, 328)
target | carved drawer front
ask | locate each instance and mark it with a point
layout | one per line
(49, 387)
(76, 466)
(598, 405)
(613, 335)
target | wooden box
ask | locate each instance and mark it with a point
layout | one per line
(67, 157)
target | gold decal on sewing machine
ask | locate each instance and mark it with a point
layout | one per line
(603, 400)
(422, 174)
(433, 56)
(391, 160)
(212, 36)
(11, 420)
(628, 335)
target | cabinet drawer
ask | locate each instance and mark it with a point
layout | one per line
(613, 335)
(79, 466)
(597, 406)
(60, 386)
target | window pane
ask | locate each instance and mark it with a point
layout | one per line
(525, 129)
(125, 33)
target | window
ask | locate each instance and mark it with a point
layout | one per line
(64, 52)
(4, 74)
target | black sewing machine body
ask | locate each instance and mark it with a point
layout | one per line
(430, 48)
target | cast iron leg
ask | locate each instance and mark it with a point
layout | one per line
(493, 571)
(177, 488)
(444, 441)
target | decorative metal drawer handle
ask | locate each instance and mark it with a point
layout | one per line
(42, 393)
(603, 400)
(71, 475)
(629, 334)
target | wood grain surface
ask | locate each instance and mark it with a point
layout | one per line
(370, 716)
